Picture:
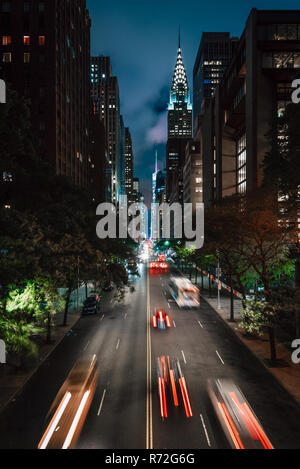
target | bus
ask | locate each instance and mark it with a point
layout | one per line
(184, 292)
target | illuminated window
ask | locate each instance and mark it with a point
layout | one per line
(27, 40)
(6, 57)
(42, 40)
(241, 165)
(6, 40)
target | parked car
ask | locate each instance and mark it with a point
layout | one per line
(109, 286)
(91, 305)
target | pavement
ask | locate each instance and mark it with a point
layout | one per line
(125, 411)
(285, 371)
(13, 380)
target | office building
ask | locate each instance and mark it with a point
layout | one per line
(44, 54)
(179, 130)
(106, 104)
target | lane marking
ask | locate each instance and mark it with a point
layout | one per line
(102, 317)
(183, 356)
(125, 315)
(205, 430)
(220, 357)
(118, 344)
(101, 403)
(149, 428)
(174, 323)
(85, 348)
(200, 324)
(169, 305)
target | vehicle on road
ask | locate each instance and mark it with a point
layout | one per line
(240, 424)
(68, 412)
(108, 287)
(161, 320)
(91, 305)
(172, 384)
(184, 292)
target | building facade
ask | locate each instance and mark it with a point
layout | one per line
(213, 57)
(44, 54)
(192, 175)
(106, 104)
(256, 87)
(128, 166)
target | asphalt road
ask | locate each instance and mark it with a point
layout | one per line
(125, 411)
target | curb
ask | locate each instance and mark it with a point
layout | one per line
(32, 373)
(237, 335)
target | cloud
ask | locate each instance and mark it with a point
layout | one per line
(158, 133)
(160, 104)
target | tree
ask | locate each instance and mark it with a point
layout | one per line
(256, 316)
(282, 169)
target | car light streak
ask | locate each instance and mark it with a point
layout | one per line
(54, 422)
(72, 430)
(172, 380)
(168, 321)
(164, 399)
(154, 322)
(230, 426)
(185, 397)
(251, 422)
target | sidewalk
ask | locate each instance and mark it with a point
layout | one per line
(12, 381)
(286, 372)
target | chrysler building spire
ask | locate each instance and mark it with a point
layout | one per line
(179, 91)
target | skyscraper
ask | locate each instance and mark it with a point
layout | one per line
(213, 57)
(44, 54)
(106, 103)
(128, 166)
(179, 129)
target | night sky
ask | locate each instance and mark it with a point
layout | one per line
(141, 37)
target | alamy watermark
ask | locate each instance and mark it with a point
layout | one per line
(2, 92)
(2, 352)
(296, 93)
(167, 221)
(296, 353)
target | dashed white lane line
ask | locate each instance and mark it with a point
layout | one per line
(125, 315)
(169, 305)
(174, 323)
(118, 344)
(101, 403)
(102, 317)
(220, 357)
(199, 322)
(85, 348)
(183, 356)
(205, 430)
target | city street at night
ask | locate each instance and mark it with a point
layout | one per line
(118, 417)
(149, 228)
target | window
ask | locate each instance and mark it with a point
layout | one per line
(6, 40)
(26, 58)
(41, 7)
(42, 40)
(27, 40)
(241, 164)
(6, 7)
(6, 57)
(198, 180)
(26, 7)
